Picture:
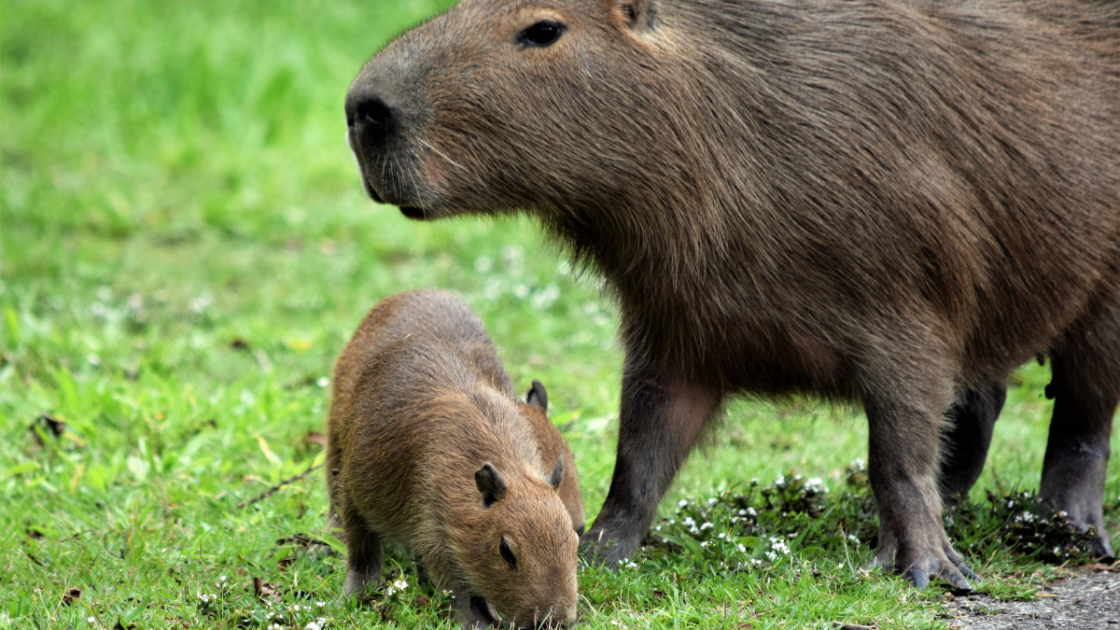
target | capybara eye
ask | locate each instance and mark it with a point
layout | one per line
(507, 553)
(541, 34)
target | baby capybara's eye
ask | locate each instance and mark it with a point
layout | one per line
(507, 553)
(541, 34)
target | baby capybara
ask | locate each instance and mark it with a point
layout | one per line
(891, 201)
(428, 446)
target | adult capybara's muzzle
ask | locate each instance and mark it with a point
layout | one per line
(382, 118)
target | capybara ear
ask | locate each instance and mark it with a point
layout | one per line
(537, 396)
(490, 483)
(557, 473)
(639, 15)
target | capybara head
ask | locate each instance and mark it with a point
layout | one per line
(519, 554)
(553, 448)
(481, 108)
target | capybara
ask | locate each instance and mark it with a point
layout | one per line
(428, 446)
(891, 201)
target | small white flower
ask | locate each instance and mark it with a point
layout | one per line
(780, 481)
(320, 604)
(712, 501)
(817, 485)
(778, 545)
(91, 621)
(323, 381)
(755, 562)
(400, 584)
(741, 548)
(707, 525)
(688, 521)
(632, 565)
(704, 544)
(682, 503)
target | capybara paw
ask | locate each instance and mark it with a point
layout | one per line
(1102, 546)
(920, 567)
(599, 548)
(356, 583)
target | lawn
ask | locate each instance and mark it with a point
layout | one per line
(185, 249)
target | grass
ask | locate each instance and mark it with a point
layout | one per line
(185, 249)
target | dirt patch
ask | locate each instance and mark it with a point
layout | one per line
(1086, 601)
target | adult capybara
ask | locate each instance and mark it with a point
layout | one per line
(427, 445)
(892, 201)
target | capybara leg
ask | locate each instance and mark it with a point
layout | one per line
(363, 555)
(660, 420)
(902, 465)
(1086, 390)
(472, 609)
(965, 442)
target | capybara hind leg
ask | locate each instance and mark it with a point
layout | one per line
(363, 555)
(965, 442)
(660, 420)
(902, 465)
(1086, 390)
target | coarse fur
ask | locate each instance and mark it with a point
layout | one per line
(428, 446)
(896, 202)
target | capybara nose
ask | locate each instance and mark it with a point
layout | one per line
(369, 117)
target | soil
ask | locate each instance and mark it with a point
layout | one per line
(1088, 600)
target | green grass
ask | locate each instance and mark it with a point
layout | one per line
(185, 249)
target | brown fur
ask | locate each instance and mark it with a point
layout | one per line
(552, 447)
(421, 408)
(897, 202)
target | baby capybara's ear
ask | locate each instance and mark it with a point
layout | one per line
(537, 396)
(557, 473)
(639, 15)
(490, 483)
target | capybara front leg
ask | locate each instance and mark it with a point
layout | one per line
(902, 465)
(966, 440)
(472, 609)
(1073, 471)
(363, 554)
(660, 420)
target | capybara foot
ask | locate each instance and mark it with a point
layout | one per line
(604, 546)
(919, 566)
(356, 583)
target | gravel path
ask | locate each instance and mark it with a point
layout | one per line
(1087, 601)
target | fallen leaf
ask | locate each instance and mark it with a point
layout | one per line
(49, 424)
(72, 594)
(265, 591)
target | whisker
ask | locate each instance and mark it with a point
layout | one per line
(449, 160)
